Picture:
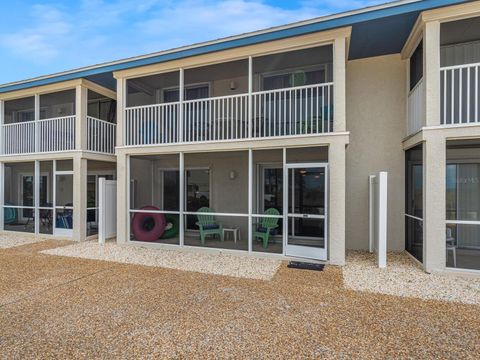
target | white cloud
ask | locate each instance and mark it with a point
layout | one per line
(40, 41)
(91, 31)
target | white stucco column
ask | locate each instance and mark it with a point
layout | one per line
(79, 198)
(336, 203)
(339, 83)
(2, 194)
(121, 98)
(123, 182)
(81, 108)
(431, 71)
(434, 206)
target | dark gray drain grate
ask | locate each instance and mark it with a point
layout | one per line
(305, 266)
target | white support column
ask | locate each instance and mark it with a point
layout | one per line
(54, 195)
(434, 203)
(431, 72)
(121, 104)
(285, 200)
(336, 203)
(339, 88)
(181, 96)
(81, 108)
(37, 117)
(2, 121)
(79, 198)
(2, 195)
(250, 199)
(182, 198)
(250, 97)
(36, 196)
(123, 198)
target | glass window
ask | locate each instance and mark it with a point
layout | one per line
(19, 110)
(191, 93)
(57, 104)
(198, 193)
(462, 232)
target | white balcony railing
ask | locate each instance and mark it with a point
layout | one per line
(18, 138)
(152, 124)
(416, 108)
(56, 134)
(100, 135)
(292, 111)
(460, 100)
(218, 118)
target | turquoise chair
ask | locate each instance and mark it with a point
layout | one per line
(266, 226)
(207, 225)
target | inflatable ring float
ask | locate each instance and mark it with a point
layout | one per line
(148, 226)
(172, 226)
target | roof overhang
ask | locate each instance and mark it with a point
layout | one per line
(376, 30)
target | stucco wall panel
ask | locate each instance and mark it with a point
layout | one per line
(376, 119)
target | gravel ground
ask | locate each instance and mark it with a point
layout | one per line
(402, 277)
(8, 240)
(208, 263)
(63, 307)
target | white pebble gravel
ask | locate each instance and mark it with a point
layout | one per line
(208, 263)
(9, 240)
(402, 277)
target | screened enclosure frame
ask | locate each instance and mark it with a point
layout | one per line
(37, 207)
(250, 215)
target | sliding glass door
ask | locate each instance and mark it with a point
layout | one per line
(463, 215)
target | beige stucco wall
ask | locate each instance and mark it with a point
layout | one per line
(376, 118)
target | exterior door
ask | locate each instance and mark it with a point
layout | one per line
(307, 211)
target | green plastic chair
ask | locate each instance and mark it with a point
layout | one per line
(207, 225)
(266, 226)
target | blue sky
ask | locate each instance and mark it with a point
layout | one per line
(43, 37)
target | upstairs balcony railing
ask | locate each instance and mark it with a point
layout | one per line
(416, 108)
(56, 134)
(101, 135)
(284, 112)
(460, 96)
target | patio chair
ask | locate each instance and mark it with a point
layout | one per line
(451, 246)
(207, 225)
(264, 230)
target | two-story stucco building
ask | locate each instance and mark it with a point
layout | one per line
(263, 143)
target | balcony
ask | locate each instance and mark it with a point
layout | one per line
(460, 72)
(460, 95)
(32, 125)
(304, 110)
(286, 94)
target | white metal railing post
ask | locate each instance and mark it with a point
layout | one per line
(181, 93)
(101, 210)
(36, 119)
(250, 90)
